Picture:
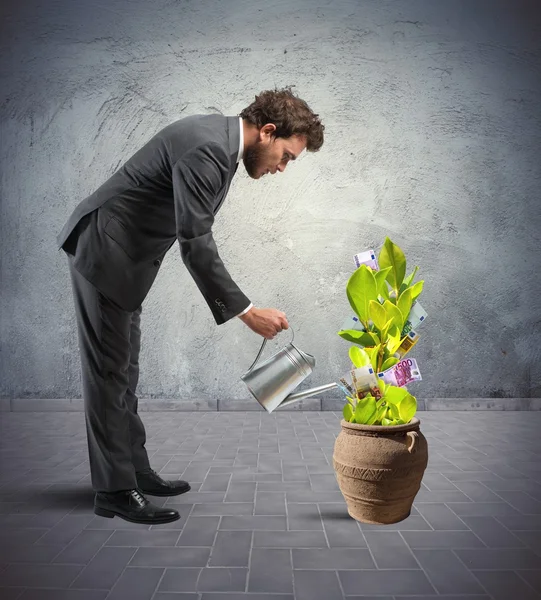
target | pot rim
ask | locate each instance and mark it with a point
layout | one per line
(383, 429)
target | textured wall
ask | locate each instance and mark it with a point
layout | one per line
(432, 114)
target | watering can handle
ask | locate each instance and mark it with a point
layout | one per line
(262, 347)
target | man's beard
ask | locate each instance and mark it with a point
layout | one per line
(253, 159)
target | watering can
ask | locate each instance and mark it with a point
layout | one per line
(272, 381)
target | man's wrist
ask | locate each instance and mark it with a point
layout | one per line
(245, 311)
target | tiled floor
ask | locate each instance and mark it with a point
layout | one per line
(265, 519)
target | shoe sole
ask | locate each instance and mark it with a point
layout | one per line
(109, 514)
(165, 494)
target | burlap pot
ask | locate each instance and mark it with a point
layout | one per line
(379, 469)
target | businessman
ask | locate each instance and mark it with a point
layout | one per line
(116, 239)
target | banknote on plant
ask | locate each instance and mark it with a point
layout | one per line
(367, 258)
(407, 344)
(404, 372)
(416, 316)
(360, 381)
(353, 323)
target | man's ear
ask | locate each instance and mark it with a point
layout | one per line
(267, 131)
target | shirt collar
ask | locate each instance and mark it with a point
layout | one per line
(241, 142)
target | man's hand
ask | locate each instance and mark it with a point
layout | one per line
(267, 322)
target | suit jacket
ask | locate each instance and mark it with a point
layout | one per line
(170, 189)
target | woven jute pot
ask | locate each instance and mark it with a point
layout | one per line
(379, 469)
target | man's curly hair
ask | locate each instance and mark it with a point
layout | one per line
(290, 114)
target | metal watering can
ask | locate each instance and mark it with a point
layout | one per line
(273, 380)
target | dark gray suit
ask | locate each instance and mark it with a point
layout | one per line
(115, 241)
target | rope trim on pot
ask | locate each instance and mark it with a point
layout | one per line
(373, 474)
(366, 433)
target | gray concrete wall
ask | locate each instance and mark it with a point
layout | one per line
(432, 114)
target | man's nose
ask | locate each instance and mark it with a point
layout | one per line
(281, 168)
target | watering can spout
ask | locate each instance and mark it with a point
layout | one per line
(306, 393)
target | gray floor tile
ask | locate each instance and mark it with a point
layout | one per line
(270, 571)
(389, 550)
(477, 491)
(84, 547)
(391, 581)
(231, 549)
(522, 502)
(238, 596)
(218, 579)
(199, 531)
(482, 509)
(27, 553)
(492, 533)
(254, 523)
(439, 517)
(47, 594)
(270, 503)
(505, 585)
(179, 580)
(533, 578)
(446, 573)
(13, 593)
(289, 539)
(317, 585)
(333, 558)
(442, 539)
(171, 557)
(223, 508)
(39, 576)
(104, 569)
(303, 516)
(155, 537)
(499, 558)
(136, 583)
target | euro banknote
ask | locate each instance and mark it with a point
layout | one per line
(367, 258)
(360, 381)
(407, 344)
(416, 316)
(353, 323)
(404, 372)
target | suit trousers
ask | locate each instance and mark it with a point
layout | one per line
(109, 344)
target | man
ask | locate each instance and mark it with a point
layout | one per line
(116, 240)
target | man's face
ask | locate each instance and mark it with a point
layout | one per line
(270, 154)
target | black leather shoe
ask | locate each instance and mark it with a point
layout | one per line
(151, 483)
(132, 506)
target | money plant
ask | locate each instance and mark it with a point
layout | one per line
(382, 300)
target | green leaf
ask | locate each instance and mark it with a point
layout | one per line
(361, 288)
(394, 313)
(416, 289)
(347, 411)
(377, 314)
(409, 278)
(352, 401)
(393, 342)
(363, 338)
(395, 395)
(393, 410)
(392, 256)
(381, 282)
(408, 408)
(405, 300)
(365, 410)
(358, 356)
(386, 422)
(390, 362)
(373, 354)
